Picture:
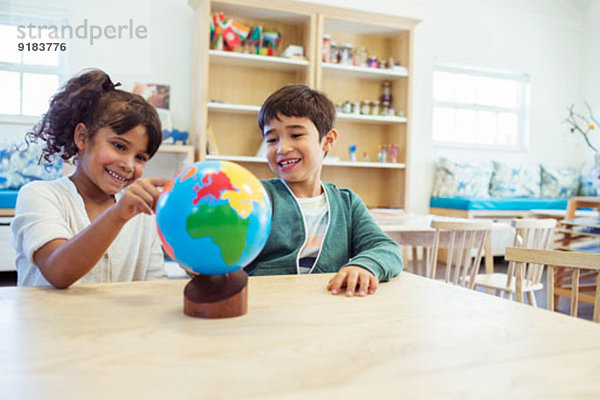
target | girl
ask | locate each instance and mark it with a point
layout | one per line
(95, 225)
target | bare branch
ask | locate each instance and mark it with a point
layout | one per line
(575, 120)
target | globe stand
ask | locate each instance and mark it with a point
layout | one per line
(217, 296)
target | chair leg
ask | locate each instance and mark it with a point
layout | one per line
(531, 299)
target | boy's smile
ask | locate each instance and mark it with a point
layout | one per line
(295, 153)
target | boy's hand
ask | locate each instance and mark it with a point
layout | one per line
(355, 279)
(140, 197)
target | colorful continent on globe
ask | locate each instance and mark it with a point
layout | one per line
(225, 223)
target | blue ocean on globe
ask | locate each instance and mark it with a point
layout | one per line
(213, 217)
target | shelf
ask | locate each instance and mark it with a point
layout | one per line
(371, 118)
(248, 109)
(232, 108)
(364, 72)
(238, 158)
(364, 164)
(176, 148)
(354, 164)
(258, 61)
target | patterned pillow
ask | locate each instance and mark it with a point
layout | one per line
(589, 180)
(515, 181)
(461, 179)
(19, 165)
(559, 182)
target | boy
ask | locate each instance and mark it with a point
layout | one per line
(316, 227)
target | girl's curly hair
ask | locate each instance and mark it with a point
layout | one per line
(91, 98)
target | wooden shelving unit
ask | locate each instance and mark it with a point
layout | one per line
(256, 61)
(329, 162)
(384, 37)
(187, 150)
(229, 88)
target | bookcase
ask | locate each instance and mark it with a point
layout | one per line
(229, 88)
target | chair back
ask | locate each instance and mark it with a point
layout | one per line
(465, 242)
(531, 234)
(554, 258)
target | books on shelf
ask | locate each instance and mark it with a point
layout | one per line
(211, 147)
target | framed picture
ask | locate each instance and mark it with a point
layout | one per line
(157, 95)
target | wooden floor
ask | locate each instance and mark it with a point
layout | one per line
(585, 310)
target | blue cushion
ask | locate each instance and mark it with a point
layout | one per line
(559, 182)
(508, 204)
(513, 180)
(590, 179)
(461, 179)
(8, 198)
(19, 164)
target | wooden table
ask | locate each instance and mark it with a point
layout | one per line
(574, 204)
(415, 338)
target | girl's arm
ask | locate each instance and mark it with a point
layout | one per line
(63, 262)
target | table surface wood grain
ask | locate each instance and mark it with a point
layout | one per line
(415, 338)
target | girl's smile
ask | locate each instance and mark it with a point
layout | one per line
(109, 162)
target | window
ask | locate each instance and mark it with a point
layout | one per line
(28, 78)
(478, 108)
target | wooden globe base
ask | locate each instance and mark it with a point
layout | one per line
(217, 296)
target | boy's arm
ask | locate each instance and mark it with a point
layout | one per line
(371, 248)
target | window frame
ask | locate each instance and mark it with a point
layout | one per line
(522, 111)
(16, 18)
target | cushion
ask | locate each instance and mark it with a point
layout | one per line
(497, 204)
(589, 179)
(510, 180)
(559, 182)
(461, 179)
(8, 198)
(19, 164)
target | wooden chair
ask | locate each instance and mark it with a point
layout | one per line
(415, 258)
(465, 242)
(563, 284)
(529, 233)
(415, 242)
(554, 258)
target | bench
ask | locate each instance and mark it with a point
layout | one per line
(466, 207)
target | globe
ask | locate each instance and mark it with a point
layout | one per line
(213, 217)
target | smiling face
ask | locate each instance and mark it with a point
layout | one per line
(108, 161)
(295, 153)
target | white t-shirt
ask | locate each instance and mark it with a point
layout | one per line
(316, 217)
(48, 210)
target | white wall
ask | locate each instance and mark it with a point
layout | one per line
(541, 37)
(164, 57)
(591, 64)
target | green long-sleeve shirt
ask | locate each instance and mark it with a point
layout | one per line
(352, 237)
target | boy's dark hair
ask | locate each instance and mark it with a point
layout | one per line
(91, 98)
(299, 101)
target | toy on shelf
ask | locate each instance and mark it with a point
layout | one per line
(345, 54)
(175, 135)
(394, 153)
(229, 35)
(226, 34)
(352, 150)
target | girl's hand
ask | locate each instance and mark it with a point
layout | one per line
(139, 197)
(355, 279)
